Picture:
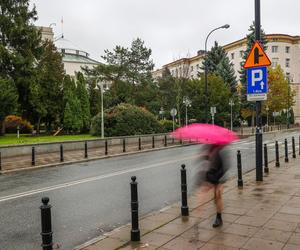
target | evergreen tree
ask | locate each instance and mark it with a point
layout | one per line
(8, 100)
(72, 115)
(20, 48)
(46, 93)
(249, 107)
(82, 95)
(218, 63)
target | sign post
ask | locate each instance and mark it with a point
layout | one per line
(173, 113)
(257, 86)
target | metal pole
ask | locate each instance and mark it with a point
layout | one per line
(293, 146)
(277, 154)
(140, 146)
(239, 167)
(186, 117)
(33, 156)
(124, 145)
(85, 150)
(46, 233)
(206, 87)
(258, 136)
(231, 125)
(299, 145)
(173, 122)
(135, 231)
(61, 153)
(286, 158)
(165, 141)
(106, 147)
(266, 169)
(184, 205)
(153, 141)
(102, 112)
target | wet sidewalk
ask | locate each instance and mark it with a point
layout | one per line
(260, 216)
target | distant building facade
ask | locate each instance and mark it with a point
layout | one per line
(73, 57)
(283, 50)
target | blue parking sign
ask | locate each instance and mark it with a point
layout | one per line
(257, 80)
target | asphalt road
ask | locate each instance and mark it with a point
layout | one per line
(91, 198)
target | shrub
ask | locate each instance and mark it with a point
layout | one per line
(167, 125)
(13, 121)
(126, 119)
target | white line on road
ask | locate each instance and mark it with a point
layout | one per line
(90, 179)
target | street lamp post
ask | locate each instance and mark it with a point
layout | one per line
(231, 103)
(187, 103)
(226, 26)
(100, 85)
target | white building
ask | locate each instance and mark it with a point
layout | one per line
(72, 56)
(282, 49)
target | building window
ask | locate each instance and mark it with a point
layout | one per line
(287, 49)
(287, 62)
(274, 49)
(63, 51)
(173, 72)
(275, 62)
(232, 56)
(192, 68)
(241, 53)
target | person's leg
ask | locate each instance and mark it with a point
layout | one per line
(219, 205)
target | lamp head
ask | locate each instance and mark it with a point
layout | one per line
(226, 26)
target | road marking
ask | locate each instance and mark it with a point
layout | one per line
(90, 179)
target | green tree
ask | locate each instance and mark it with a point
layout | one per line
(82, 95)
(73, 115)
(46, 92)
(218, 63)
(8, 100)
(248, 108)
(20, 48)
(280, 95)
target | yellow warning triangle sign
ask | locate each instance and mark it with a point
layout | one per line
(257, 57)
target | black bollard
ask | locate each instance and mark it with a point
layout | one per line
(286, 158)
(61, 153)
(106, 147)
(293, 147)
(135, 231)
(277, 154)
(239, 167)
(181, 141)
(85, 150)
(266, 168)
(165, 141)
(140, 144)
(153, 141)
(33, 156)
(184, 205)
(124, 145)
(46, 233)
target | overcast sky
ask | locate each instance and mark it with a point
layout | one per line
(171, 28)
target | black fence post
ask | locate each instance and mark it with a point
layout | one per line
(124, 145)
(165, 141)
(153, 141)
(135, 231)
(140, 146)
(33, 156)
(277, 154)
(266, 168)
(85, 150)
(293, 146)
(61, 153)
(184, 205)
(46, 233)
(106, 147)
(239, 167)
(286, 158)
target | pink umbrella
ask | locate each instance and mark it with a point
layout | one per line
(205, 133)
